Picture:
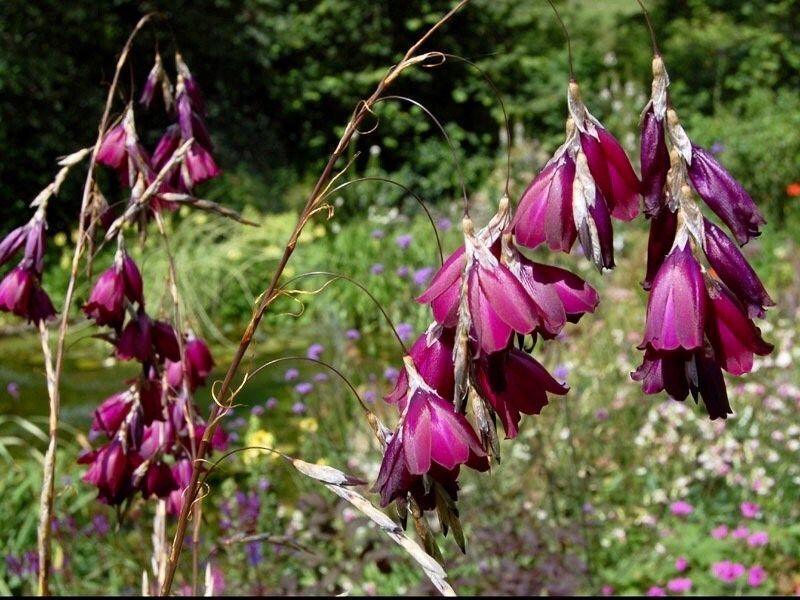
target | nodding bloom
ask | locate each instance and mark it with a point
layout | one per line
(21, 294)
(514, 384)
(111, 471)
(157, 479)
(143, 339)
(695, 328)
(474, 286)
(122, 151)
(110, 415)
(588, 180)
(156, 76)
(698, 320)
(430, 437)
(198, 364)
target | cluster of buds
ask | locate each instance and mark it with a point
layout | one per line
(587, 181)
(21, 291)
(486, 299)
(122, 151)
(699, 317)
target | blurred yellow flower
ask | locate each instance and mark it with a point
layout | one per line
(262, 438)
(308, 424)
(60, 239)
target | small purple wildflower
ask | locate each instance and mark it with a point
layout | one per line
(255, 554)
(233, 436)
(303, 388)
(749, 510)
(720, 533)
(402, 271)
(403, 241)
(405, 331)
(321, 377)
(717, 148)
(100, 524)
(607, 590)
(238, 423)
(370, 396)
(263, 484)
(298, 408)
(271, 403)
(681, 508)
(377, 234)
(315, 351)
(601, 414)
(390, 374)
(656, 591)
(13, 390)
(376, 269)
(727, 571)
(679, 585)
(353, 334)
(257, 410)
(561, 372)
(421, 276)
(588, 507)
(681, 563)
(291, 374)
(756, 575)
(759, 538)
(444, 224)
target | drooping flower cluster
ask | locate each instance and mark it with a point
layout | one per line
(21, 291)
(152, 428)
(122, 151)
(486, 297)
(699, 318)
(588, 180)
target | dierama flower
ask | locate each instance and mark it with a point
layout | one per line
(112, 412)
(111, 471)
(21, 294)
(430, 433)
(588, 180)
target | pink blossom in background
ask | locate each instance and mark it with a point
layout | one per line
(759, 538)
(740, 532)
(681, 508)
(679, 585)
(681, 563)
(720, 533)
(749, 510)
(607, 590)
(656, 591)
(727, 571)
(756, 575)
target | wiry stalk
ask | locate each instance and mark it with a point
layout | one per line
(54, 371)
(363, 108)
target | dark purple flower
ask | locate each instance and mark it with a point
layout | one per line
(165, 342)
(725, 196)
(544, 213)
(111, 471)
(663, 227)
(153, 78)
(513, 383)
(106, 304)
(110, 415)
(315, 351)
(676, 307)
(136, 340)
(198, 166)
(158, 481)
(430, 433)
(654, 162)
(34, 246)
(732, 334)
(166, 146)
(133, 280)
(734, 270)
(182, 474)
(13, 242)
(21, 294)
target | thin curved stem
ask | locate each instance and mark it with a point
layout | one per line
(409, 59)
(569, 41)
(444, 133)
(499, 98)
(650, 28)
(359, 285)
(408, 191)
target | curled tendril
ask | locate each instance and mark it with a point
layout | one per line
(408, 191)
(444, 133)
(362, 104)
(440, 56)
(362, 287)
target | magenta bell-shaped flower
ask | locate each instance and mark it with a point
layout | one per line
(113, 149)
(21, 294)
(725, 196)
(133, 280)
(676, 307)
(158, 481)
(136, 340)
(733, 336)
(111, 472)
(430, 433)
(663, 227)
(110, 415)
(106, 304)
(198, 166)
(654, 162)
(734, 271)
(182, 475)
(432, 354)
(13, 242)
(198, 365)
(514, 383)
